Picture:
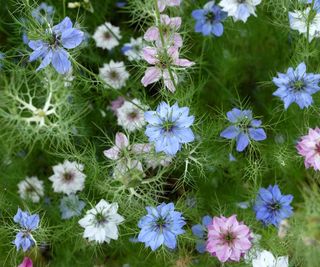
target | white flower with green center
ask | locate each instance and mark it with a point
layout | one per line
(101, 222)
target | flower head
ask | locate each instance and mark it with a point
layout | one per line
(43, 13)
(107, 36)
(131, 115)
(68, 177)
(61, 36)
(71, 206)
(161, 226)
(28, 222)
(299, 20)
(228, 239)
(101, 222)
(243, 128)
(209, 19)
(265, 258)
(114, 74)
(169, 127)
(309, 148)
(31, 188)
(240, 9)
(297, 86)
(271, 206)
(133, 50)
(200, 231)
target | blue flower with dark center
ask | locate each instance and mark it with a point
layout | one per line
(169, 127)
(160, 226)
(243, 128)
(297, 86)
(200, 231)
(71, 206)
(28, 223)
(271, 206)
(209, 19)
(62, 36)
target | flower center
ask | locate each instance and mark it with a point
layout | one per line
(133, 115)
(243, 123)
(274, 206)
(68, 176)
(161, 222)
(168, 126)
(298, 85)
(107, 35)
(210, 17)
(228, 237)
(114, 75)
(100, 218)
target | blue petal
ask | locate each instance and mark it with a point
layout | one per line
(62, 26)
(206, 220)
(198, 230)
(201, 246)
(242, 142)
(71, 38)
(217, 29)
(46, 61)
(234, 115)
(257, 134)
(230, 132)
(169, 239)
(198, 14)
(60, 61)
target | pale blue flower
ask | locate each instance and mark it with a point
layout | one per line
(169, 127)
(71, 206)
(43, 13)
(161, 226)
(297, 86)
(200, 231)
(62, 36)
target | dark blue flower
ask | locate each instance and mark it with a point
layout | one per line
(209, 19)
(43, 13)
(243, 128)
(160, 226)
(297, 86)
(28, 223)
(71, 206)
(62, 36)
(169, 127)
(271, 206)
(200, 231)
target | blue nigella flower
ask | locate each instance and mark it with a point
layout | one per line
(62, 36)
(28, 223)
(200, 231)
(43, 13)
(209, 19)
(71, 206)
(160, 226)
(169, 127)
(297, 86)
(271, 207)
(243, 128)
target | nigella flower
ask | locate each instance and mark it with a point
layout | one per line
(71, 206)
(271, 206)
(114, 74)
(107, 36)
(161, 226)
(300, 21)
(209, 19)
(309, 148)
(200, 231)
(169, 127)
(28, 223)
(228, 239)
(43, 13)
(133, 50)
(265, 258)
(240, 9)
(31, 189)
(101, 222)
(52, 50)
(243, 128)
(297, 86)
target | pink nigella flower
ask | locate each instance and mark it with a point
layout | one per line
(162, 4)
(309, 147)
(27, 262)
(228, 239)
(169, 26)
(163, 58)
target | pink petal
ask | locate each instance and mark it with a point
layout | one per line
(152, 75)
(112, 153)
(121, 141)
(242, 244)
(161, 5)
(152, 34)
(175, 23)
(165, 19)
(149, 54)
(223, 253)
(183, 62)
(27, 262)
(168, 81)
(141, 148)
(177, 40)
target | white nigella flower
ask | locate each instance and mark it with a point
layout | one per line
(240, 9)
(299, 21)
(266, 259)
(107, 36)
(101, 222)
(131, 116)
(114, 74)
(31, 188)
(68, 177)
(133, 50)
